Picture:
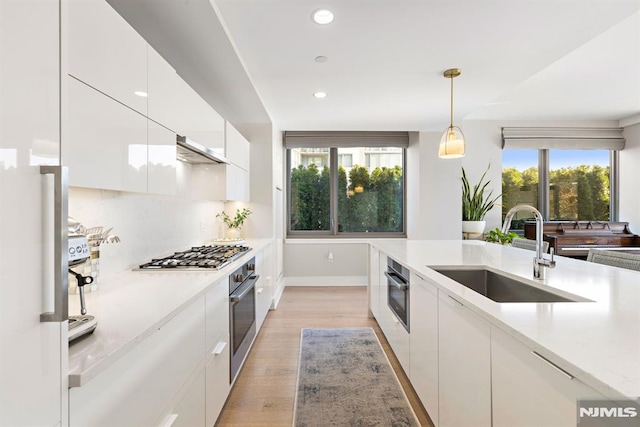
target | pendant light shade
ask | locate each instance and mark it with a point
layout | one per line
(452, 144)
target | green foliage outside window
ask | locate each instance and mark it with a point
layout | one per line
(575, 193)
(367, 202)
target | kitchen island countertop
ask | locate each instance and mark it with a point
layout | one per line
(131, 305)
(597, 341)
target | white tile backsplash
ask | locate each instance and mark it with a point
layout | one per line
(148, 225)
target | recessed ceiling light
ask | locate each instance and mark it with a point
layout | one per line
(141, 93)
(320, 94)
(321, 59)
(322, 16)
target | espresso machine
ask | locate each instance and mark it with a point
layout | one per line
(79, 252)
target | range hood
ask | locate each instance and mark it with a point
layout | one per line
(190, 151)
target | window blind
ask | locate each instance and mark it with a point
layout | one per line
(562, 138)
(299, 139)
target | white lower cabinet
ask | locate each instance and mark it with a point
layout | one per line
(140, 388)
(396, 335)
(464, 369)
(190, 411)
(424, 343)
(218, 378)
(531, 390)
(374, 281)
(393, 329)
(264, 286)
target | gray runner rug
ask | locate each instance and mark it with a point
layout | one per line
(345, 379)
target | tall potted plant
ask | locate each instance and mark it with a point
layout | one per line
(475, 205)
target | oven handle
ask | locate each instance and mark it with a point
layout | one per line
(251, 283)
(392, 277)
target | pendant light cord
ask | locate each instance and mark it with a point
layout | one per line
(451, 124)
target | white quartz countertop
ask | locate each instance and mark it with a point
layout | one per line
(130, 305)
(598, 341)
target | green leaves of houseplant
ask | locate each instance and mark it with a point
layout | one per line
(497, 236)
(238, 220)
(475, 204)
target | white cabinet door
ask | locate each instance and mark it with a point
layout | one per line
(217, 312)
(104, 132)
(264, 289)
(161, 160)
(237, 147)
(529, 390)
(464, 369)
(220, 182)
(424, 343)
(218, 379)
(105, 52)
(393, 329)
(190, 412)
(33, 355)
(374, 281)
(137, 389)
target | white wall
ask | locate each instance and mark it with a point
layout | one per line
(308, 263)
(149, 225)
(630, 178)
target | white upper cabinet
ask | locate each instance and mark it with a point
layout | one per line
(105, 142)
(161, 159)
(236, 147)
(106, 52)
(177, 106)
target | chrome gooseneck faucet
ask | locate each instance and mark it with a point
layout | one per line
(539, 262)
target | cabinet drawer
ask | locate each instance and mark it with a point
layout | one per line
(218, 379)
(190, 410)
(137, 388)
(217, 312)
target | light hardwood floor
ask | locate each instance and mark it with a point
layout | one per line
(265, 389)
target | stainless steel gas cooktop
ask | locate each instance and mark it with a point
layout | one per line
(212, 257)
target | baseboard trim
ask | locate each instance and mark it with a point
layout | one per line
(326, 281)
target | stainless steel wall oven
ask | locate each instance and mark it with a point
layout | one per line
(398, 291)
(242, 313)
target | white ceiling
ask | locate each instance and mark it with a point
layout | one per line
(520, 59)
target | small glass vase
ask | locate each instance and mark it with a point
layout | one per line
(233, 233)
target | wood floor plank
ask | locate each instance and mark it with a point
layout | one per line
(264, 392)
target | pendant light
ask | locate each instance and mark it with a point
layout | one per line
(452, 139)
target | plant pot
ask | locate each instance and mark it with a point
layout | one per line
(473, 230)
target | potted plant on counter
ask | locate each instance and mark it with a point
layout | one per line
(475, 205)
(497, 236)
(234, 225)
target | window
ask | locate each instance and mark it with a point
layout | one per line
(576, 171)
(352, 190)
(561, 184)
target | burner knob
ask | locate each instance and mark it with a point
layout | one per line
(251, 267)
(238, 277)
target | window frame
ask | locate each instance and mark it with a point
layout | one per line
(333, 232)
(544, 181)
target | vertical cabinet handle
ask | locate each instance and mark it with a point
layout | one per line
(259, 290)
(60, 243)
(218, 348)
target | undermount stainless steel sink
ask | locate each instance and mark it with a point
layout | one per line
(501, 288)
